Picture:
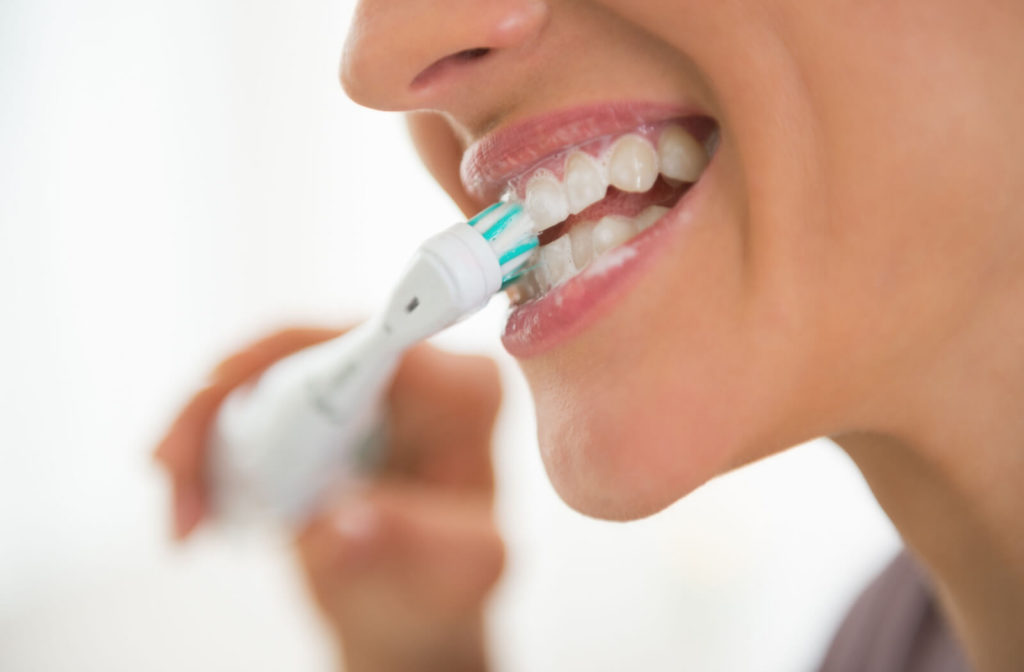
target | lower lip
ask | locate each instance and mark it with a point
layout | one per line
(560, 315)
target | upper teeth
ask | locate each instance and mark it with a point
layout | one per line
(585, 182)
(631, 163)
(546, 201)
(680, 156)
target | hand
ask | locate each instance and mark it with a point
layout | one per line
(402, 567)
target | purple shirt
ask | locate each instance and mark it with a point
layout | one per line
(895, 626)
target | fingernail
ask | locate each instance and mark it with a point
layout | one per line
(357, 521)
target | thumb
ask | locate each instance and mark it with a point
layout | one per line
(442, 409)
(431, 551)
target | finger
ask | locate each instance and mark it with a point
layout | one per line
(189, 506)
(257, 356)
(438, 550)
(182, 449)
(340, 540)
(443, 407)
(181, 453)
(444, 543)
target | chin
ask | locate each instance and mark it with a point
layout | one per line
(620, 470)
(613, 454)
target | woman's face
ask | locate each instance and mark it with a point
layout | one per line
(856, 207)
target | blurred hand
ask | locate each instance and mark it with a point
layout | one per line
(400, 568)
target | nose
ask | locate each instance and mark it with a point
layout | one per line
(418, 54)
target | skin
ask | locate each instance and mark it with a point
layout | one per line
(857, 272)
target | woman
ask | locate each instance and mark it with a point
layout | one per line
(849, 263)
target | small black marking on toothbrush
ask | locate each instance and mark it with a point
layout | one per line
(413, 305)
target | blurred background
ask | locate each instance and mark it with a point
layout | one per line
(177, 178)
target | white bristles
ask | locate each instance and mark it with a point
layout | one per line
(510, 232)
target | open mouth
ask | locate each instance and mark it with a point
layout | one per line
(610, 187)
(589, 199)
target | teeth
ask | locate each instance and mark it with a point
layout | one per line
(556, 258)
(545, 200)
(633, 165)
(582, 238)
(529, 286)
(649, 216)
(567, 255)
(680, 155)
(585, 183)
(612, 231)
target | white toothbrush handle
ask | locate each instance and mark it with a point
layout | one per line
(308, 423)
(305, 425)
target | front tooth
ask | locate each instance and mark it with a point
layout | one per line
(582, 238)
(681, 156)
(633, 165)
(545, 200)
(612, 231)
(649, 216)
(585, 183)
(556, 258)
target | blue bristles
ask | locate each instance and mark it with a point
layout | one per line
(509, 230)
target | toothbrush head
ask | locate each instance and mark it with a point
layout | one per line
(456, 272)
(509, 230)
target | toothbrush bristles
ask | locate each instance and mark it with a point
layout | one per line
(510, 232)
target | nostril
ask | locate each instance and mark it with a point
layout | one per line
(471, 54)
(447, 64)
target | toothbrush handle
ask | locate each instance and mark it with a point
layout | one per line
(278, 445)
(312, 421)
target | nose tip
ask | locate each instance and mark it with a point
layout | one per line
(403, 55)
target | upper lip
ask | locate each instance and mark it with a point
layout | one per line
(491, 162)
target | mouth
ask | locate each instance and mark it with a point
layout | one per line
(599, 183)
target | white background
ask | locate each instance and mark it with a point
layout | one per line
(178, 177)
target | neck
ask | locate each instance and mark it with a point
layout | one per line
(949, 472)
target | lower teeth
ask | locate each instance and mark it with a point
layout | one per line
(571, 253)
